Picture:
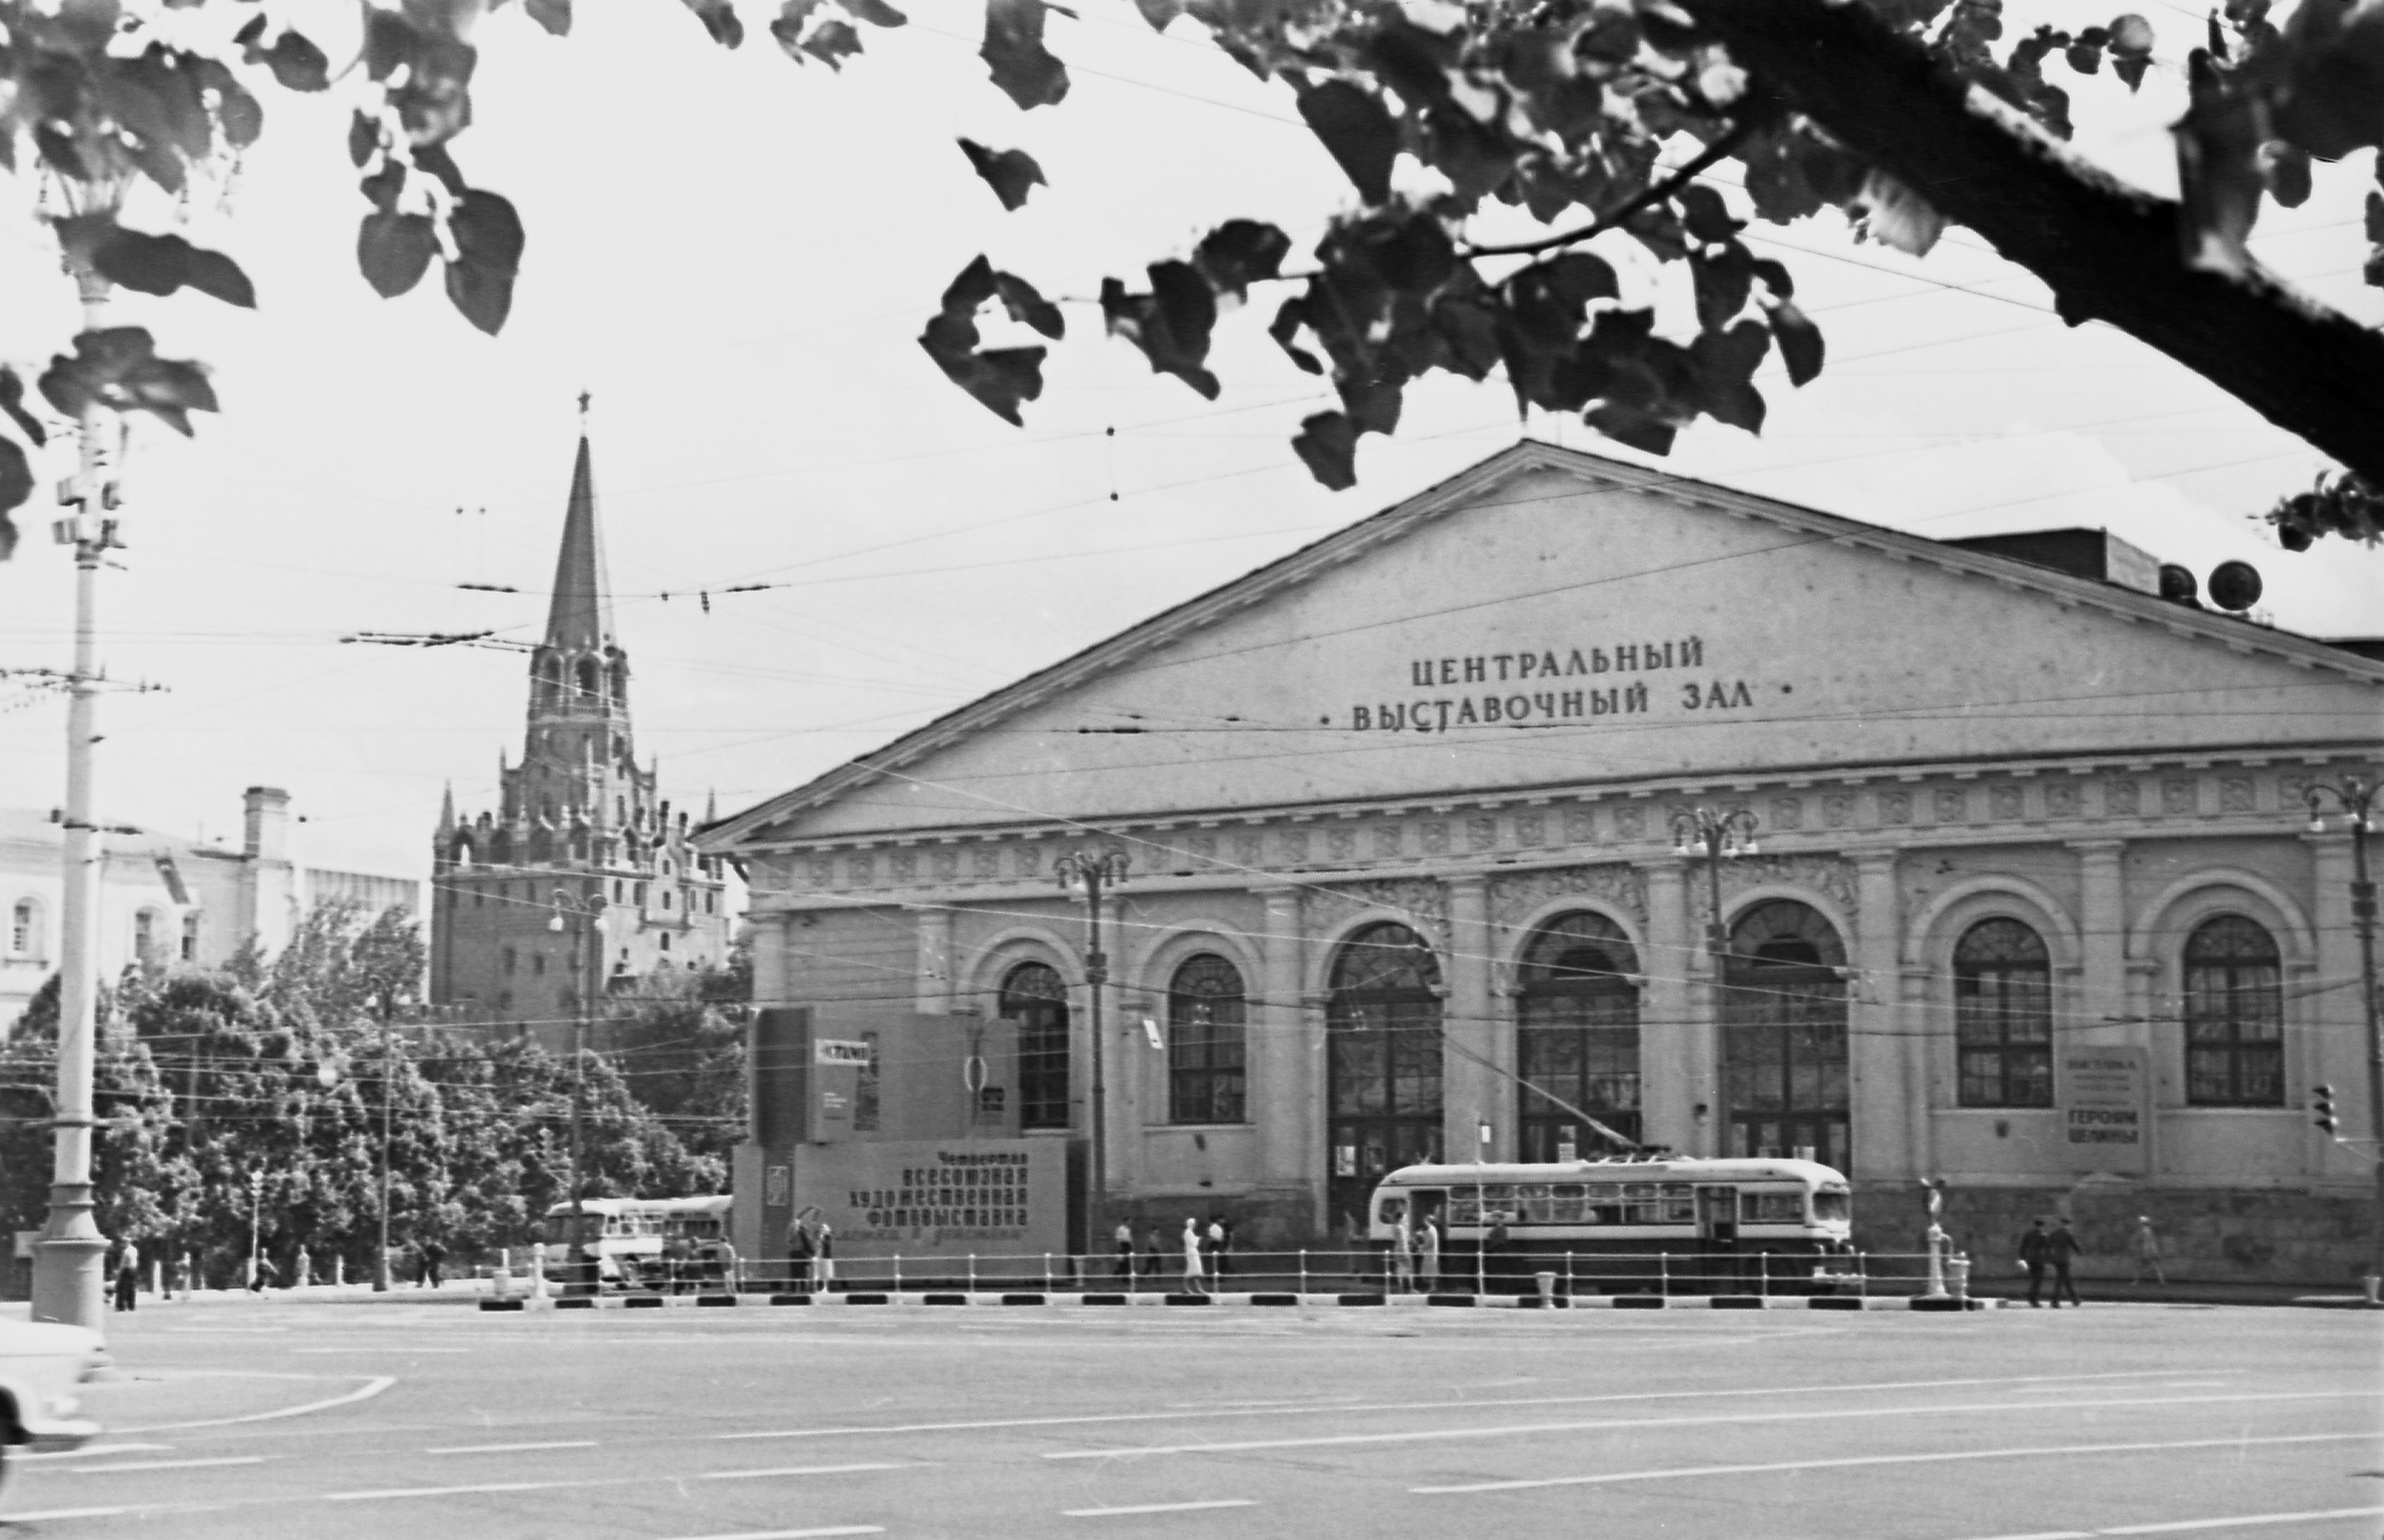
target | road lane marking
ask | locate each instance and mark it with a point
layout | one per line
(791, 1534)
(1676, 1472)
(370, 1389)
(2179, 1526)
(476, 1486)
(91, 1451)
(1249, 1409)
(1512, 1430)
(62, 1513)
(165, 1464)
(1157, 1508)
(514, 1448)
(813, 1469)
(393, 1347)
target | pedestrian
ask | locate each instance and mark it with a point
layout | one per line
(1427, 1246)
(127, 1275)
(1122, 1238)
(2065, 1246)
(2148, 1252)
(1195, 1279)
(263, 1273)
(1221, 1246)
(1494, 1252)
(798, 1259)
(826, 1260)
(1154, 1252)
(1403, 1253)
(432, 1254)
(2035, 1253)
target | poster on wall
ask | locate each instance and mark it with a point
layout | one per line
(2105, 1109)
(936, 1198)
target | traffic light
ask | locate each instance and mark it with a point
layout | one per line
(2322, 1103)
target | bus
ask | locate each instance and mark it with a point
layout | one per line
(1629, 1224)
(631, 1238)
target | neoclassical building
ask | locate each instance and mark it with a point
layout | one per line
(2034, 907)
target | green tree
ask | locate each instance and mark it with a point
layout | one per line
(1904, 114)
(677, 1041)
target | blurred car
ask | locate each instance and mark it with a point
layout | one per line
(41, 1364)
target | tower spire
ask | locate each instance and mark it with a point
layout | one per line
(579, 617)
(447, 810)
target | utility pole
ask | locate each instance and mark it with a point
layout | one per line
(1703, 834)
(587, 966)
(1091, 871)
(388, 1083)
(66, 1266)
(2354, 797)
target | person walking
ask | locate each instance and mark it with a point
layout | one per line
(1122, 1238)
(798, 1259)
(1427, 1246)
(1154, 1252)
(2035, 1255)
(826, 1260)
(127, 1275)
(2148, 1252)
(1195, 1277)
(1494, 1253)
(1403, 1256)
(2065, 1246)
(432, 1254)
(1221, 1246)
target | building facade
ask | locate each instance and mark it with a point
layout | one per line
(166, 901)
(581, 835)
(2034, 907)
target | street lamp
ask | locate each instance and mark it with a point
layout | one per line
(256, 1219)
(388, 1093)
(1091, 871)
(1715, 837)
(2354, 798)
(587, 966)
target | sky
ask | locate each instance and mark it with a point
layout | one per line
(733, 255)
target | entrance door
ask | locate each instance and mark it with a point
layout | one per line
(1382, 1066)
(1718, 1214)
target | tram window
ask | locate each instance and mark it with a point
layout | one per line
(1393, 1211)
(1465, 1205)
(1771, 1208)
(1831, 1205)
(1498, 1195)
(1533, 1202)
(1679, 1203)
(1565, 1202)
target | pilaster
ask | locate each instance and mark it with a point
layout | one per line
(1472, 1092)
(1283, 1054)
(2100, 1011)
(1887, 1057)
(2332, 1022)
(933, 990)
(1676, 1035)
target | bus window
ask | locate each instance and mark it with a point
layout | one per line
(1565, 1202)
(1831, 1207)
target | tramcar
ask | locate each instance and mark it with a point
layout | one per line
(1639, 1224)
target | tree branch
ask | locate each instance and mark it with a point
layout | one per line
(2109, 251)
(1629, 207)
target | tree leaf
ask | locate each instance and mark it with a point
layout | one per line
(788, 26)
(1725, 362)
(435, 159)
(487, 231)
(117, 367)
(162, 264)
(1024, 304)
(1011, 173)
(719, 19)
(1171, 324)
(1358, 132)
(482, 293)
(236, 109)
(1240, 252)
(1800, 342)
(1158, 13)
(999, 379)
(553, 15)
(364, 138)
(394, 250)
(1028, 73)
(1628, 425)
(296, 63)
(1707, 216)
(16, 486)
(877, 13)
(12, 402)
(1724, 282)
(1328, 445)
(2285, 168)
(832, 43)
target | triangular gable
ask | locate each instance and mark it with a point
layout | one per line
(1549, 618)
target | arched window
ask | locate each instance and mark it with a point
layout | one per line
(1578, 1039)
(1205, 1043)
(1783, 1011)
(1382, 1103)
(591, 680)
(1034, 997)
(2003, 1015)
(2234, 1016)
(620, 682)
(25, 929)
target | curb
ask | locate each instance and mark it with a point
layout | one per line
(1071, 1298)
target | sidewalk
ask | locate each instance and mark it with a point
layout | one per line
(2109, 1291)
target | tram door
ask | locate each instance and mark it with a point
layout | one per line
(1718, 1215)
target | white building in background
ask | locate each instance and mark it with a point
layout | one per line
(165, 900)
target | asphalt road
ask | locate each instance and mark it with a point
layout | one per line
(361, 1421)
